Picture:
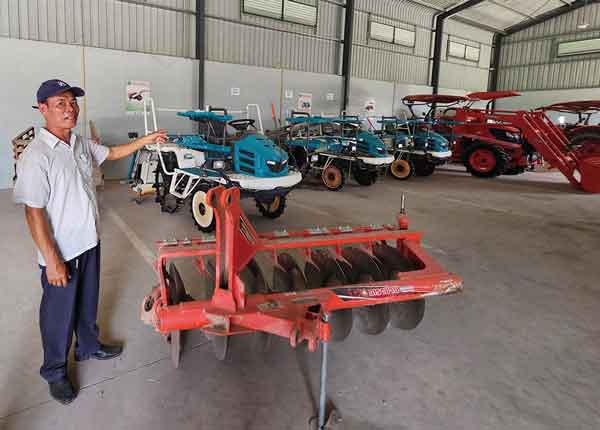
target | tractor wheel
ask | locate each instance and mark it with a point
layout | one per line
(402, 169)
(586, 142)
(203, 214)
(485, 161)
(424, 168)
(364, 177)
(407, 315)
(274, 209)
(333, 178)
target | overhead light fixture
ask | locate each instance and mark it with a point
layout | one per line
(584, 24)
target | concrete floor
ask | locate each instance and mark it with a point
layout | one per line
(517, 350)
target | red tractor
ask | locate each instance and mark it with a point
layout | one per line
(583, 136)
(486, 147)
(491, 142)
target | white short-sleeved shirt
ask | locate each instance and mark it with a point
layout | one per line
(58, 177)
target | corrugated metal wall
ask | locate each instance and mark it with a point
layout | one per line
(372, 59)
(464, 74)
(168, 27)
(235, 37)
(529, 62)
(157, 26)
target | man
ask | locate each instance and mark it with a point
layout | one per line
(55, 183)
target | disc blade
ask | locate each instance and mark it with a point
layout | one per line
(392, 259)
(340, 324)
(407, 315)
(313, 275)
(297, 281)
(373, 319)
(220, 346)
(282, 281)
(177, 294)
(363, 263)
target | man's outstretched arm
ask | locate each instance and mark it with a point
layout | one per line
(121, 151)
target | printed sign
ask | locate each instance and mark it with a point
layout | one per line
(304, 102)
(289, 94)
(136, 92)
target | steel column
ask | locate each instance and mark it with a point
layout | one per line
(200, 45)
(347, 52)
(439, 33)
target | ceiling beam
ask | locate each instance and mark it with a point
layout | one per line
(549, 15)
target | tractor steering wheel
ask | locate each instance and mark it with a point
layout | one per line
(242, 124)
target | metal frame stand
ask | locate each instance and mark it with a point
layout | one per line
(324, 422)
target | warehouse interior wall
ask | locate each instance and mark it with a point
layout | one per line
(456, 73)
(103, 74)
(249, 59)
(535, 99)
(529, 60)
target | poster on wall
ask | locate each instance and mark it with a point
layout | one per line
(136, 92)
(304, 102)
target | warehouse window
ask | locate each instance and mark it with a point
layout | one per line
(463, 51)
(391, 34)
(298, 11)
(578, 47)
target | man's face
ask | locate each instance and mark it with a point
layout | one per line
(60, 111)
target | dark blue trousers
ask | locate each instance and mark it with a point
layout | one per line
(65, 310)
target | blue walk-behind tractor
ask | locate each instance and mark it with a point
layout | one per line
(225, 152)
(333, 148)
(417, 149)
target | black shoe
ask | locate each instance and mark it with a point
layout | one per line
(62, 391)
(105, 352)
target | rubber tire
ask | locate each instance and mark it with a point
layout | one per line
(501, 157)
(198, 199)
(423, 168)
(402, 169)
(364, 177)
(407, 315)
(266, 210)
(330, 171)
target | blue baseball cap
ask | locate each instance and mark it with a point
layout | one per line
(56, 86)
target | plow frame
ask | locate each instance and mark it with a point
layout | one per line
(299, 315)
